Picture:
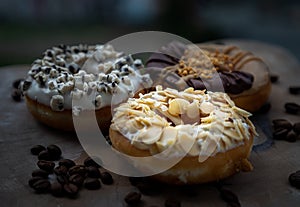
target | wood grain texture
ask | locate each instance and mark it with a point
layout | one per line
(266, 185)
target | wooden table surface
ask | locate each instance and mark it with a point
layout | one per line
(266, 185)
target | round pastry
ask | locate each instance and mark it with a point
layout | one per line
(211, 135)
(225, 68)
(66, 74)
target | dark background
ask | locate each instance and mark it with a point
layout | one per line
(28, 27)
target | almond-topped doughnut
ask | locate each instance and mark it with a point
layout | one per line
(226, 68)
(66, 74)
(213, 136)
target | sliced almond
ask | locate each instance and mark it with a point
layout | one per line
(188, 144)
(150, 135)
(206, 107)
(168, 138)
(192, 110)
(178, 106)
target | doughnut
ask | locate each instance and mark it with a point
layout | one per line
(67, 73)
(244, 76)
(213, 136)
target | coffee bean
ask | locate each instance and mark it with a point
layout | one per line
(70, 189)
(16, 83)
(133, 198)
(35, 150)
(61, 170)
(92, 161)
(78, 169)
(294, 179)
(171, 202)
(292, 108)
(294, 90)
(62, 179)
(93, 172)
(33, 180)
(280, 133)
(291, 137)
(92, 183)
(56, 189)
(274, 78)
(40, 173)
(76, 179)
(67, 162)
(106, 178)
(46, 165)
(281, 123)
(229, 196)
(44, 155)
(16, 95)
(41, 185)
(296, 128)
(54, 151)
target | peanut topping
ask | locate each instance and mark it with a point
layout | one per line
(190, 121)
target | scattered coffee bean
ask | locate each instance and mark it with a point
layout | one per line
(76, 179)
(106, 178)
(61, 170)
(274, 78)
(292, 108)
(70, 189)
(56, 189)
(171, 202)
(33, 180)
(78, 169)
(16, 95)
(41, 185)
(296, 128)
(92, 183)
(35, 150)
(133, 198)
(281, 124)
(16, 83)
(93, 172)
(294, 90)
(280, 133)
(40, 173)
(294, 179)
(291, 137)
(46, 165)
(67, 163)
(62, 179)
(92, 161)
(54, 151)
(229, 197)
(44, 155)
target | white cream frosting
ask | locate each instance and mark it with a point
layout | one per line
(191, 121)
(97, 73)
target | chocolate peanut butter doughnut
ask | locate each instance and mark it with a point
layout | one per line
(226, 68)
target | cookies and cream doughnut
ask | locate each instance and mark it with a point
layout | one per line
(240, 73)
(213, 136)
(67, 73)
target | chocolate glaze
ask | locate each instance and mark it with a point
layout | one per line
(234, 82)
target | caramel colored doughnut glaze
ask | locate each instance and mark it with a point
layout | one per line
(226, 68)
(212, 136)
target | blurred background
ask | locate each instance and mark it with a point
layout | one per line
(28, 27)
